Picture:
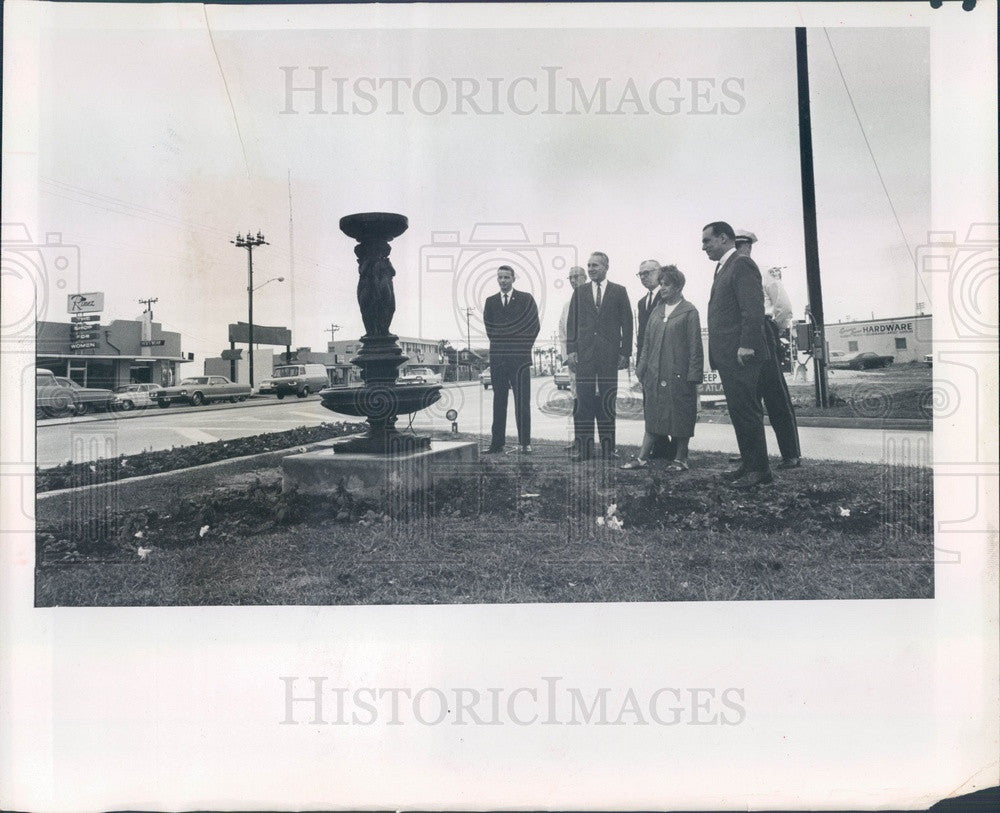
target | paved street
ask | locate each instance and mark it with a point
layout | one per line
(99, 436)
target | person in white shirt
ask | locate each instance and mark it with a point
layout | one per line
(772, 387)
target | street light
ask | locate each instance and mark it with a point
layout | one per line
(273, 279)
(249, 242)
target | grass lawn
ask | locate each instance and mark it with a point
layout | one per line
(512, 530)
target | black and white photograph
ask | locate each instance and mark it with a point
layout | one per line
(422, 369)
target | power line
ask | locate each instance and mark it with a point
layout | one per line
(871, 153)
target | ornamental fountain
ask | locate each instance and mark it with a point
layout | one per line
(382, 461)
(382, 399)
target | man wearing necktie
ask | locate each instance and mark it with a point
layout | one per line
(737, 347)
(511, 321)
(599, 341)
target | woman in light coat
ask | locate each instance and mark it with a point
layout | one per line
(670, 370)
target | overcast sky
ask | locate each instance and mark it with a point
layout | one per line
(157, 148)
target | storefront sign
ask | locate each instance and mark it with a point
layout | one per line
(89, 317)
(877, 329)
(712, 384)
(82, 345)
(153, 343)
(85, 303)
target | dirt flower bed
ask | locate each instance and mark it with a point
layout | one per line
(76, 475)
(543, 530)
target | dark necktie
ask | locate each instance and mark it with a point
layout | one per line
(717, 267)
(505, 300)
(598, 300)
(649, 302)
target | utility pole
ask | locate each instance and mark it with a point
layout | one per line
(149, 305)
(332, 330)
(468, 330)
(249, 242)
(809, 220)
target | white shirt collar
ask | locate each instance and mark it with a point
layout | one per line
(726, 256)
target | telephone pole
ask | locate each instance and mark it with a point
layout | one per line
(149, 305)
(468, 330)
(249, 242)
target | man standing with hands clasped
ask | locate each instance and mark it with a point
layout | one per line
(737, 347)
(511, 321)
(599, 341)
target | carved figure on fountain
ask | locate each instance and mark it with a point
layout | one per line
(376, 297)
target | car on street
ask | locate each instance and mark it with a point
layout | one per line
(202, 389)
(295, 379)
(57, 396)
(858, 361)
(929, 359)
(561, 377)
(135, 396)
(484, 377)
(420, 375)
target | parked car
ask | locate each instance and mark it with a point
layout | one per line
(135, 396)
(484, 376)
(562, 378)
(295, 379)
(56, 396)
(202, 389)
(420, 375)
(859, 361)
(929, 359)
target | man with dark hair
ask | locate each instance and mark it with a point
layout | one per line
(772, 386)
(599, 341)
(737, 347)
(511, 321)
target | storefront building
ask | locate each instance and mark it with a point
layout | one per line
(420, 352)
(906, 338)
(112, 355)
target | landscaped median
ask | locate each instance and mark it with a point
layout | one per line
(519, 529)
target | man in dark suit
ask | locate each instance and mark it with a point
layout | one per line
(599, 341)
(649, 275)
(772, 385)
(737, 347)
(511, 320)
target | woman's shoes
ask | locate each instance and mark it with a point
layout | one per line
(638, 463)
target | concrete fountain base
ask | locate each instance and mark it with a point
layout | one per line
(370, 475)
